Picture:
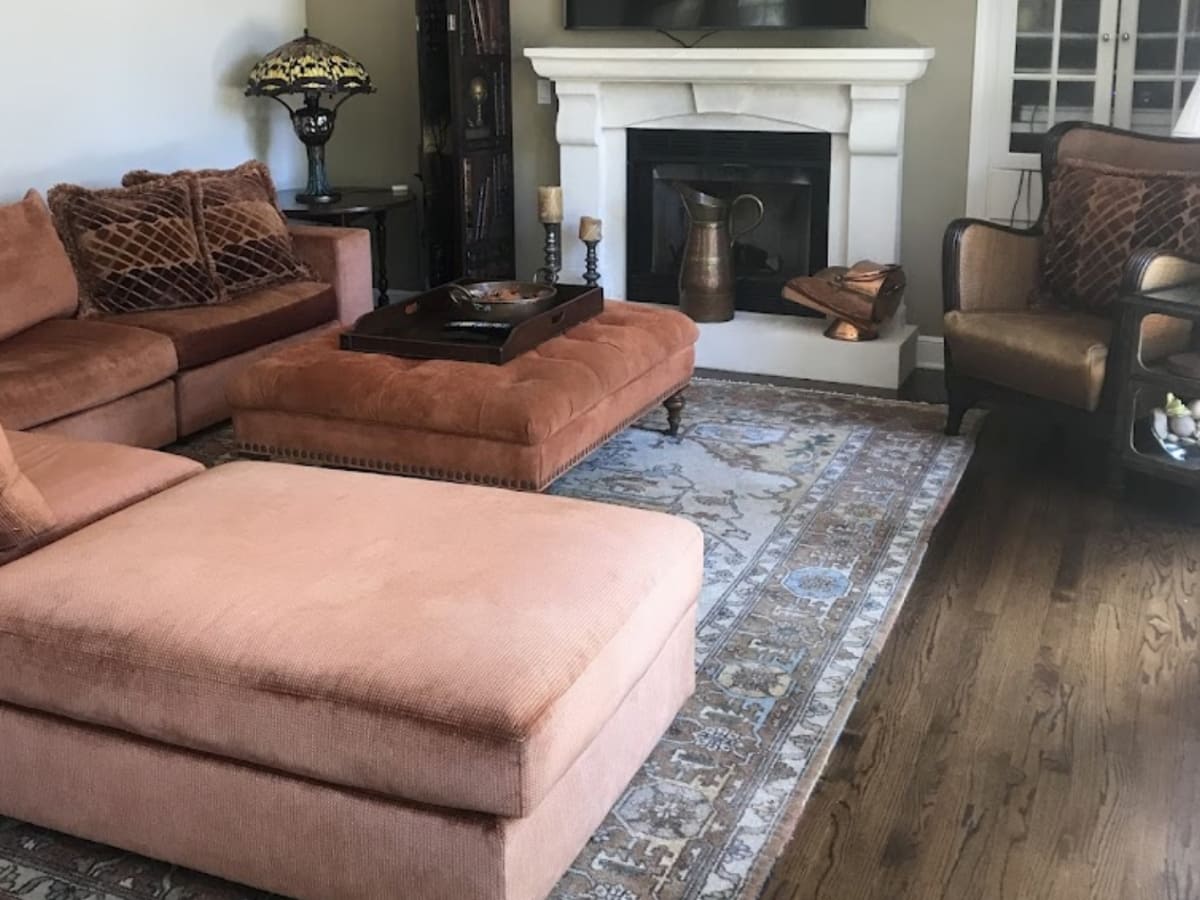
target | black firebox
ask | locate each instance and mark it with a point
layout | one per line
(789, 172)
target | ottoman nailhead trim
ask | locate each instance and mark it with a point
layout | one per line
(310, 457)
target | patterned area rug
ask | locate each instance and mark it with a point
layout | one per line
(817, 510)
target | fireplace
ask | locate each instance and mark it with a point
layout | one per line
(850, 99)
(789, 172)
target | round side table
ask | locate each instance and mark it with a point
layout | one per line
(355, 204)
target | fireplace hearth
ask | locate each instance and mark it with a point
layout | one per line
(788, 172)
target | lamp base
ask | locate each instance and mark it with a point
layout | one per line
(317, 199)
(314, 127)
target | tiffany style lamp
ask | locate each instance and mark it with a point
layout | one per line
(311, 69)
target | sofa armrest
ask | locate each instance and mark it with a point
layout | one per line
(1156, 270)
(342, 258)
(989, 267)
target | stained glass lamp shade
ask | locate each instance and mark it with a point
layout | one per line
(311, 69)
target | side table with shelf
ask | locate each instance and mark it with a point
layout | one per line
(1145, 385)
(356, 204)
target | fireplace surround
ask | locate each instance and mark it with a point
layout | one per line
(854, 95)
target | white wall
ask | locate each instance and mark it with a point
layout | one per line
(94, 89)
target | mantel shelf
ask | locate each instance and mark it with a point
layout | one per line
(745, 65)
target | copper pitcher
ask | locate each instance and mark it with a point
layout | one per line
(707, 285)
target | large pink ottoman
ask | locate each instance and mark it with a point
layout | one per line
(520, 425)
(342, 686)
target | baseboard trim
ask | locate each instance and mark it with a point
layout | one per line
(931, 353)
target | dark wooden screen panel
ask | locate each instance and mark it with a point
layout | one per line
(464, 57)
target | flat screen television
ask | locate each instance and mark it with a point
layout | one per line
(708, 15)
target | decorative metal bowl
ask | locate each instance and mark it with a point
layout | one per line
(502, 301)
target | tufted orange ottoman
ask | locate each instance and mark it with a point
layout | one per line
(520, 425)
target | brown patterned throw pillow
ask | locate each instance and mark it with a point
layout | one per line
(24, 513)
(135, 248)
(247, 234)
(1098, 216)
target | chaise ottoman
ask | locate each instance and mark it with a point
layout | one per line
(345, 686)
(520, 425)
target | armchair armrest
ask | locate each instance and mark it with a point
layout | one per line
(989, 267)
(1157, 270)
(342, 258)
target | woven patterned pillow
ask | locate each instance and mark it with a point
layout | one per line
(136, 248)
(247, 234)
(24, 513)
(1098, 216)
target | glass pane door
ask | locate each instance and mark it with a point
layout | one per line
(1062, 68)
(1159, 63)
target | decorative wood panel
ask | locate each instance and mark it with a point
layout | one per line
(464, 59)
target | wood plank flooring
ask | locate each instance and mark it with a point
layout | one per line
(1032, 728)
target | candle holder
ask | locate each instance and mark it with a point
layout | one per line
(549, 273)
(591, 275)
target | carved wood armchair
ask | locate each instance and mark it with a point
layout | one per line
(1008, 335)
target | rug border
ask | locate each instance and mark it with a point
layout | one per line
(764, 865)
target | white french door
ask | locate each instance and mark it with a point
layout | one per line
(1157, 63)
(1128, 63)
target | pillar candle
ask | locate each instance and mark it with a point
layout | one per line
(550, 205)
(590, 229)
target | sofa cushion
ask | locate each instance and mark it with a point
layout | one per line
(65, 366)
(84, 481)
(136, 248)
(36, 278)
(206, 334)
(452, 645)
(1099, 215)
(24, 513)
(247, 235)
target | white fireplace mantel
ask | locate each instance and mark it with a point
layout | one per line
(828, 65)
(857, 95)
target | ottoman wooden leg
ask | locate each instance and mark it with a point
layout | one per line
(675, 404)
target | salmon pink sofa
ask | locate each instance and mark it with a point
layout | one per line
(146, 378)
(332, 685)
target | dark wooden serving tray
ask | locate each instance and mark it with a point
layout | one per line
(417, 329)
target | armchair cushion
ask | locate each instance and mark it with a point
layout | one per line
(1056, 355)
(1099, 215)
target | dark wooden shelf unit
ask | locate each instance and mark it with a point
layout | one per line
(465, 65)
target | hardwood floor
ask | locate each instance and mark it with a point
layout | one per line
(1032, 728)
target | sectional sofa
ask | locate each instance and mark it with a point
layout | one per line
(330, 685)
(146, 378)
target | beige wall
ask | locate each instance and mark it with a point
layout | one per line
(97, 89)
(377, 138)
(382, 129)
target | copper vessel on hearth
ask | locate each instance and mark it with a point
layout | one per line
(860, 299)
(707, 282)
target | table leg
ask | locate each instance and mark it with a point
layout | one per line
(381, 250)
(675, 405)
